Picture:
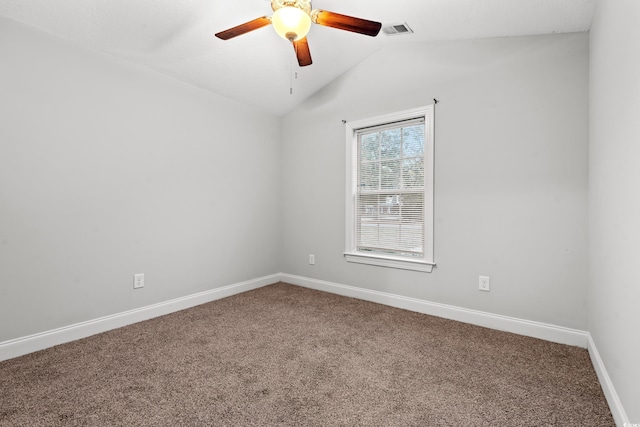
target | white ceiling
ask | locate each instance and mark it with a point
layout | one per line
(176, 38)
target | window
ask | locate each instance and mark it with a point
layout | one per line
(390, 190)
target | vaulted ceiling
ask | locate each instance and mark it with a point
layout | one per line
(176, 38)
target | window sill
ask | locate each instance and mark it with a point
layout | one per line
(403, 264)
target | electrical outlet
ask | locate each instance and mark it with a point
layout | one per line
(484, 283)
(138, 281)
(312, 259)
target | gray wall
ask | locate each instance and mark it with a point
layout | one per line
(108, 170)
(511, 173)
(614, 196)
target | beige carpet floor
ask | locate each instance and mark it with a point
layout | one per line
(283, 355)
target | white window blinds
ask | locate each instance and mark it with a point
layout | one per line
(390, 191)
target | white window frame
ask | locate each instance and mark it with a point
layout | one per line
(425, 263)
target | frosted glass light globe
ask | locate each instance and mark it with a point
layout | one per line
(291, 23)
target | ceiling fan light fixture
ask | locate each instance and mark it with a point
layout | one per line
(291, 23)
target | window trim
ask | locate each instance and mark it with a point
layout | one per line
(427, 263)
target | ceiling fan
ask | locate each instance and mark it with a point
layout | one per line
(292, 20)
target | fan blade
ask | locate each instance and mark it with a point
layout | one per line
(244, 28)
(347, 23)
(302, 52)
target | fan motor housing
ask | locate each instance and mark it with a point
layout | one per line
(300, 4)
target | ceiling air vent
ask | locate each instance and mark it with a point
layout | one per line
(397, 29)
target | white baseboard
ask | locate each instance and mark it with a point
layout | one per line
(29, 344)
(529, 328)
(619, 415)
(510, 324)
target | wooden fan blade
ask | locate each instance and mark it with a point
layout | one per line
(244, 28)
(302, 52)
(347, 23)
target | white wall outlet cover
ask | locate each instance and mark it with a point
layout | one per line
(484, 283)
(138, 281)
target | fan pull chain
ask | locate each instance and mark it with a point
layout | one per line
(293, 75)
